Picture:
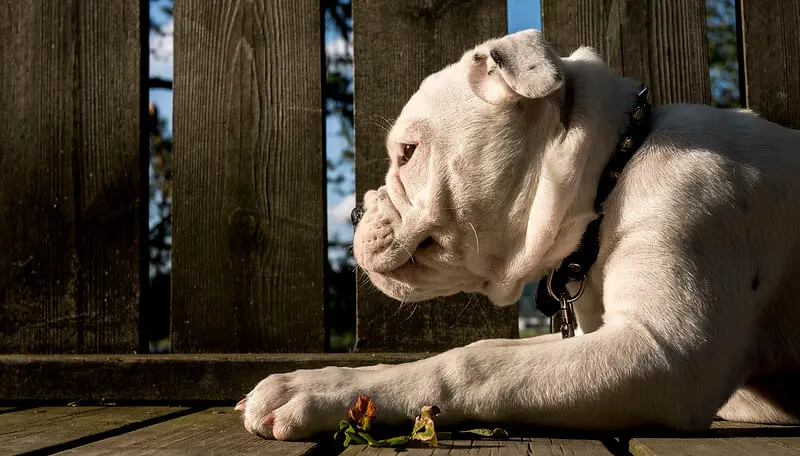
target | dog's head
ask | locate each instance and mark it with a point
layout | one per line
(457, 211)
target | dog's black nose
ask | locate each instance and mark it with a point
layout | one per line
(356, 214)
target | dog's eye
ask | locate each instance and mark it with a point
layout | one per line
(408, 152)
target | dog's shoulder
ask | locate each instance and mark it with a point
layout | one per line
(706, 167)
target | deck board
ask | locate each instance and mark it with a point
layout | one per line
(212, 431)
(54, 427)
(534, 446)
(161, 430)
(730, 439)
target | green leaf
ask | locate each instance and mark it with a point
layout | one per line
(390, 442)
(395, 441)
(352, 437)
(369, 439)
(340, 436)
(496, 433)
(348, 435)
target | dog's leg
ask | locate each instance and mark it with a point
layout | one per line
(670, 353)
(773, 399)
(541, 339)
(615, 378)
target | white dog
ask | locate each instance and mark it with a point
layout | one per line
(691, 310)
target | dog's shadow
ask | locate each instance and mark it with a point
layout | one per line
(721, 429)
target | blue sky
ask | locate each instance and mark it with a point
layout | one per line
(522, 14)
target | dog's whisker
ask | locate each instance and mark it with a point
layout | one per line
(389, 123)
(409, 254)
(382, 127)
(414, 309)
(469, 302)
(399, 308)
(477, 242)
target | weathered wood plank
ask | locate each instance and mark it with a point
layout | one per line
(396, 45)
(660, 42)
(772, 59)
(212, 431)
(543, 446)
(249, 229)
(159, 377)
(364, 450)
(69, 176)
(724, 438)
(107, 175)
(63, 427)
(38, 264)
(535, 446)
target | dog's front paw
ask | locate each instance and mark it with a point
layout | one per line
(299, 404)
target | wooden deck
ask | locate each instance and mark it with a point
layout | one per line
(177, 430)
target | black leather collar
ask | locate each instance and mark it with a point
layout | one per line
(576, 266)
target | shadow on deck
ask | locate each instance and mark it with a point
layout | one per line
(193, 429)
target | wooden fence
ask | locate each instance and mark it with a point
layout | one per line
(248, 283)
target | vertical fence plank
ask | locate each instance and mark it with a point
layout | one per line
(107, 101)
(772, 59)
(38, 264)
(249, 232)
(660, 42)
(396, 45)
(69, 176)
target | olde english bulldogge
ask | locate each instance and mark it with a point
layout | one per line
(690, 308)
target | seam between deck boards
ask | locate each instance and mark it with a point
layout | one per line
(124, 429)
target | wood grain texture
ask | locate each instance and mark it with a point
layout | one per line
(732, 439)
(212, 431)
(69, 176)
(160, 377)
(249, 231)
(49, 428)
(660, 42)
(513, 447)
(396, 45)
(107, 175)
(772, 59)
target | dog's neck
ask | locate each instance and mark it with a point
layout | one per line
(592, 109)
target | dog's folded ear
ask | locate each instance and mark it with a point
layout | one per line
(520, 65)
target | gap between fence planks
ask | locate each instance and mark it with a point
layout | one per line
(397, 45)
(69, 176)
(249, 228)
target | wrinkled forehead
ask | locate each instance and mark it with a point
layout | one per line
(441, 97)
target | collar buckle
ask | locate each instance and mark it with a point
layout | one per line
(566, 311)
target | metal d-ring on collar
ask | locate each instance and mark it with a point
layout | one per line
(555, 298)
(565, 305)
